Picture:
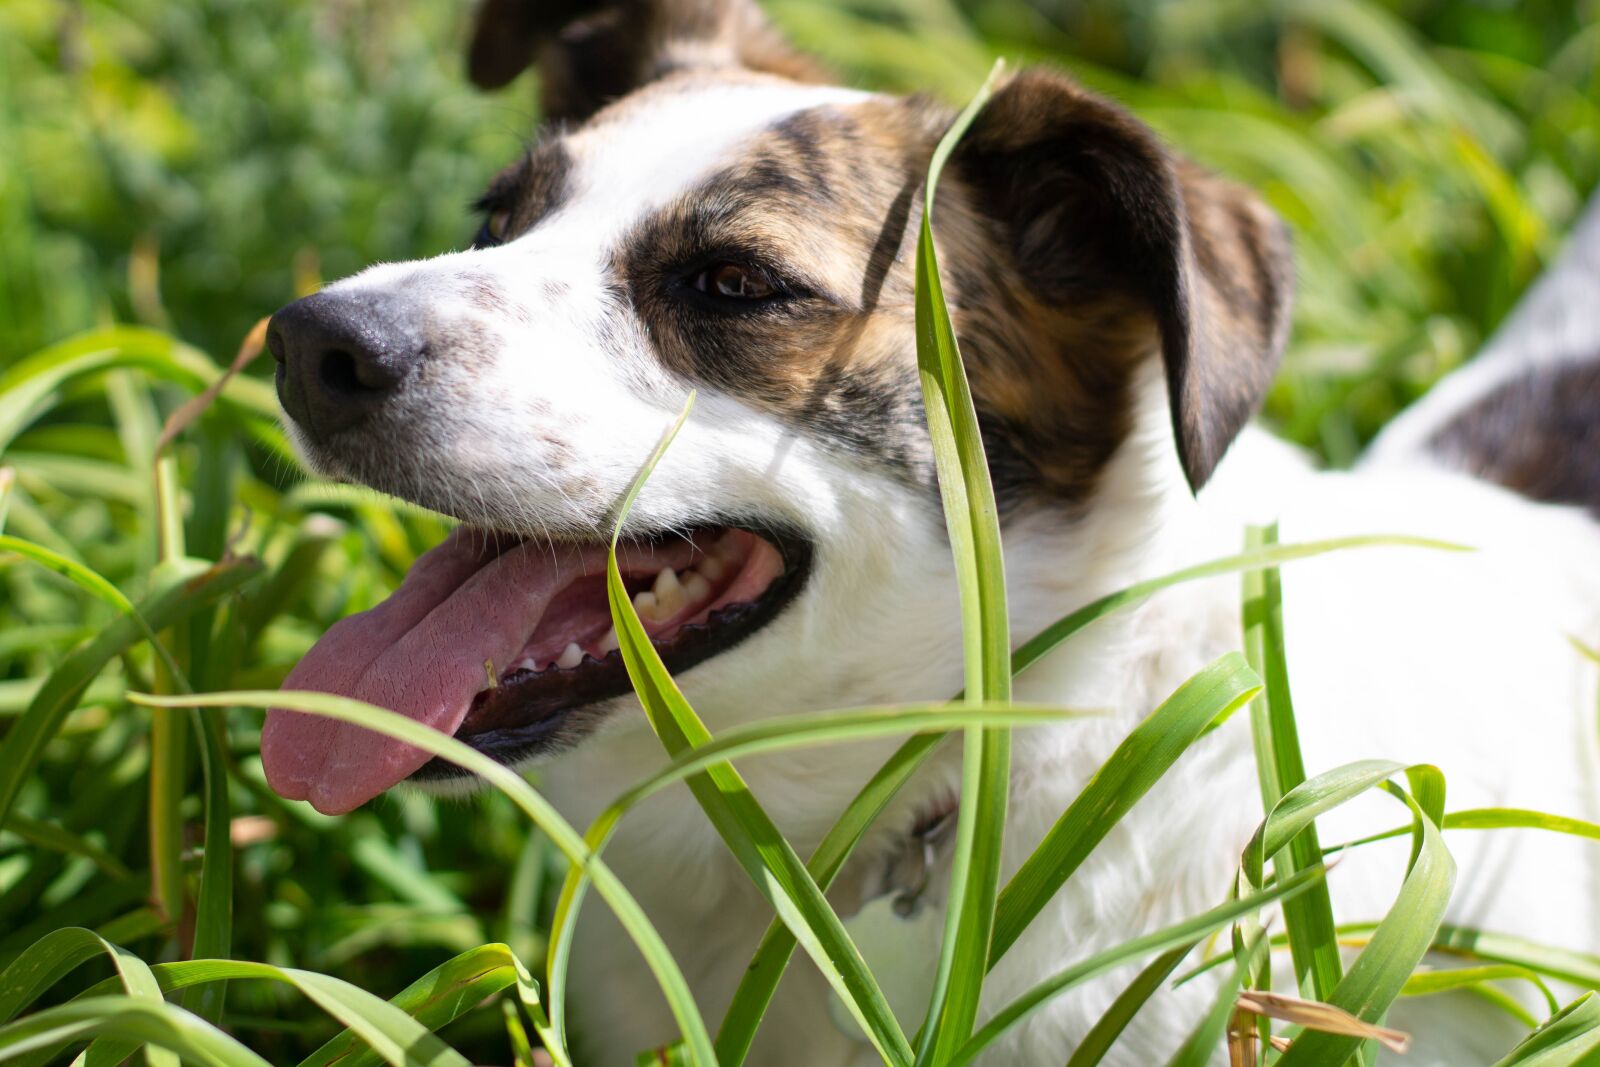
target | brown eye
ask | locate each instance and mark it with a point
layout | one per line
(735, 282)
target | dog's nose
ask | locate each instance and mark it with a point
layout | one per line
(340, 357)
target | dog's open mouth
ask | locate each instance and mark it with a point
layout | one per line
(499, 645)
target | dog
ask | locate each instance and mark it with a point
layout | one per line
(706, 210)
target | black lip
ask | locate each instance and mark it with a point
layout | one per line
(531, 715)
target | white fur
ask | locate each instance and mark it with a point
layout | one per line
(1459, 659)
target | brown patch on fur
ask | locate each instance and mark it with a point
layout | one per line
(1125, 252)
(592, 53)
(1537, 434)
(1072, 247)
(823, 203)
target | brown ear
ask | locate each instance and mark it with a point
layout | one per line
(591, 52)
(1107, 227)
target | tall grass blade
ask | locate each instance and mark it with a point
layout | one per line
(1308, 919)
(760, 980)
(973, 523)
(1115, 1019)
(750, 834)
(1400, 940)
(1127, 774)
(560, 832)
(1569, 1039)
(185, 594)
(136, 1022)
(1187, 931)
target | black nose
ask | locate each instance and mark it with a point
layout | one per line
(341, 356)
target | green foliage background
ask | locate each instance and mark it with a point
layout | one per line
(1429, 153)
(191, 166)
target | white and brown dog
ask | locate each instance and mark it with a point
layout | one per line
(706, 212)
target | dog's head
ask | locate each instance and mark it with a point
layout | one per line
(706, 212)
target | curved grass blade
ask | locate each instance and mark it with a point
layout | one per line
(1115, 1019)
(1129, 772)
(1186, 932)
(213, 919)
(187, 593)
(45, 962)
(1491, 819)
(1427, 983)
(1308, 920)
(560, 832)
(59, 839)
(27, 387)
(766, 968)
(973, 523)
(442, 995)
(750, 834)
(1199, 1048)
(772, 956)
(131, 1020)
(1571, 1038)
(1245, 562)
(773, 735)
(1399, 941)
(50, 958)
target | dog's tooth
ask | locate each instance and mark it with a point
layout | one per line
(696, 588)
(526, 663)
(712, 567)
(570, 656)
(645, 604)
(608, 643)
(669, 593)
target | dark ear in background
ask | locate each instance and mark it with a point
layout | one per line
(1106, 226)
(590, 52)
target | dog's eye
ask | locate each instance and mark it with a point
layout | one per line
(735, 281)
(495, 226)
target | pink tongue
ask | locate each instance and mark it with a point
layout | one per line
(420, 653)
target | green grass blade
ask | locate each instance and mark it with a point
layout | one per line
(771, 958)
(388, 1033)
(213, 920)
(521, 1049)
(24, 743)
(53, 956)
(1571, 1038)
(1398, 943)
(1245, 562)
(1127, 774)
(442, 995)
(973, 523)
(156, 1026)
(1115, 1019)
(766, 736)
(1200, 1048)
(1187, 931)
(1427, 983)
(539, 810)
(1308, 919)
(60, 839)
(750, 834)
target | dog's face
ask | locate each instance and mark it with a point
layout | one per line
(710, 215)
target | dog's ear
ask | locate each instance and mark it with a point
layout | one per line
(1111, 231)
(590, 52)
